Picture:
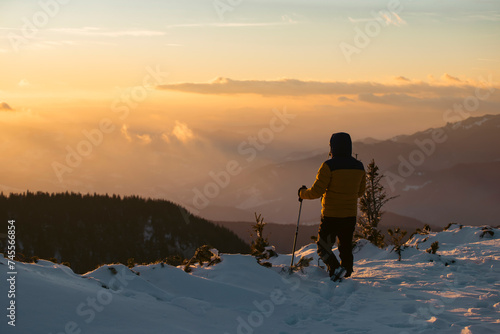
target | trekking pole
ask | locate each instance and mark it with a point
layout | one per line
(296, 233)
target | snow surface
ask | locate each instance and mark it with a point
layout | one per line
(456, 290)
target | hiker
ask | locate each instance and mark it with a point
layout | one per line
(340, 181)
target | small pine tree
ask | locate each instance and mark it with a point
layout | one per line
(397, 237)
(260, 247)
(370, 206)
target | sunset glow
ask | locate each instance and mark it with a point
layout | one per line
(148, 97)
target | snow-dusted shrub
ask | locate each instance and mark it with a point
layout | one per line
(266, 264)
(175, 260)
(203, 254)
(397, 237)
(434, 247)
(269, 252)
(303, 262)
(300, 265)
(446, 228)
(485, 231)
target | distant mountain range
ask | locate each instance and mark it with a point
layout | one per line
(442, 175)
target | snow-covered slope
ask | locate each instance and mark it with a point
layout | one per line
(456, 290)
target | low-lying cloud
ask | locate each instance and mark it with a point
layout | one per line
(181, 133)
(294, 87)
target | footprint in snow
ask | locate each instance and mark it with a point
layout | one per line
(409, 308)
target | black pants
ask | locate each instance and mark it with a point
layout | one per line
(330, 229)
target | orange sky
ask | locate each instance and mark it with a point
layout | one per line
(173, 87)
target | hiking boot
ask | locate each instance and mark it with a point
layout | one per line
(348, 273)
(337, 274)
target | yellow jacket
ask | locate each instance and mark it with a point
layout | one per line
(340, 181)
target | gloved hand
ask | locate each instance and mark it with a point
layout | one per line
(303, 187)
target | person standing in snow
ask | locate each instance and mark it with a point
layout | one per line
(341, 180)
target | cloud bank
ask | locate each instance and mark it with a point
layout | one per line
(293, 87)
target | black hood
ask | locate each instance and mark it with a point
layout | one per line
(341, 145)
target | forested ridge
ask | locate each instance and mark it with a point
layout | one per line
(87, 230)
